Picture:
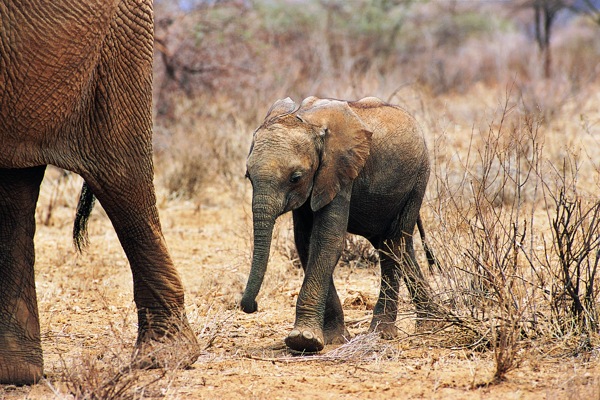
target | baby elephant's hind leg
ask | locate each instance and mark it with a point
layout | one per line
(386, 309)
(400, 261)
(418, 288)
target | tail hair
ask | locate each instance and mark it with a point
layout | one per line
(434, 264)
(84, 209)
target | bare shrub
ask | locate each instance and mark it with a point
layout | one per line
(485, 235)
(112, 371)
(108, 378)
(572, 258)
(196, 151)
(359, 253)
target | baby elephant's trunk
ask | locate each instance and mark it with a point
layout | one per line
(263, 231)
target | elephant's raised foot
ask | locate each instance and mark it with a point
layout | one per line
(304, 341)
(387, 330)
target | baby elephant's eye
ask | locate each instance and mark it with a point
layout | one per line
(295, 178)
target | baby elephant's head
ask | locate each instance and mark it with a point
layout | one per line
(307, 151)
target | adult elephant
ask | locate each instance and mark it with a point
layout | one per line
(340, 166)
(75, 92)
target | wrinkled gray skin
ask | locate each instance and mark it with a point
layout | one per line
(76, 92)
(360, 167)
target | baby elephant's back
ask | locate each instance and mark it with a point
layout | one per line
(396, 134)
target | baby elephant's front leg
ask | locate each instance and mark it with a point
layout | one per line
(308, 335)
(312, 339)
(319, 315)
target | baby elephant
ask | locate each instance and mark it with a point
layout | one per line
(360, 167)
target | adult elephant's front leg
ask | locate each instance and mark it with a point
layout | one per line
(164, 334)
(21, 359)
(316, 301)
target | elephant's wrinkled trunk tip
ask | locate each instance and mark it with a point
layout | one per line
(248, 305)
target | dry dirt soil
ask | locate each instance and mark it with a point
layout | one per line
(89, 324)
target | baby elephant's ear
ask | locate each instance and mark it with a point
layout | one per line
(281, 107)
(346, 146)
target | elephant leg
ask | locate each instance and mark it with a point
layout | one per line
(386, 309)
(21, 360)
(318, 299)
(334, 329)
(398, 261)
(418, 288)
(164, 334)
(303, 221)
(119, 172)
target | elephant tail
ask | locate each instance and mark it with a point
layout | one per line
(84, 209)
(434, 264)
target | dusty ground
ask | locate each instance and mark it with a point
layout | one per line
(88, 319)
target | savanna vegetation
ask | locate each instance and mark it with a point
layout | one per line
(508, 95)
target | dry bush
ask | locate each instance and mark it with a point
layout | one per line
(501, 277)
(571, 260)
(111, 370)
(108, 378)
(197, 151)
(109, 373)
(359, 253)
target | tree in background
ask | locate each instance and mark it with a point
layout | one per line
(545, 13)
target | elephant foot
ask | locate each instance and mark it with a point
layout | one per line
(179, 349)
(305, 341)
(386, 330)
(336, 335)
(20, 373)
(21, 366)
(21, 360)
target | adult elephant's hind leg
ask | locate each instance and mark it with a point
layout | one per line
(165, 337)
(21, 359)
